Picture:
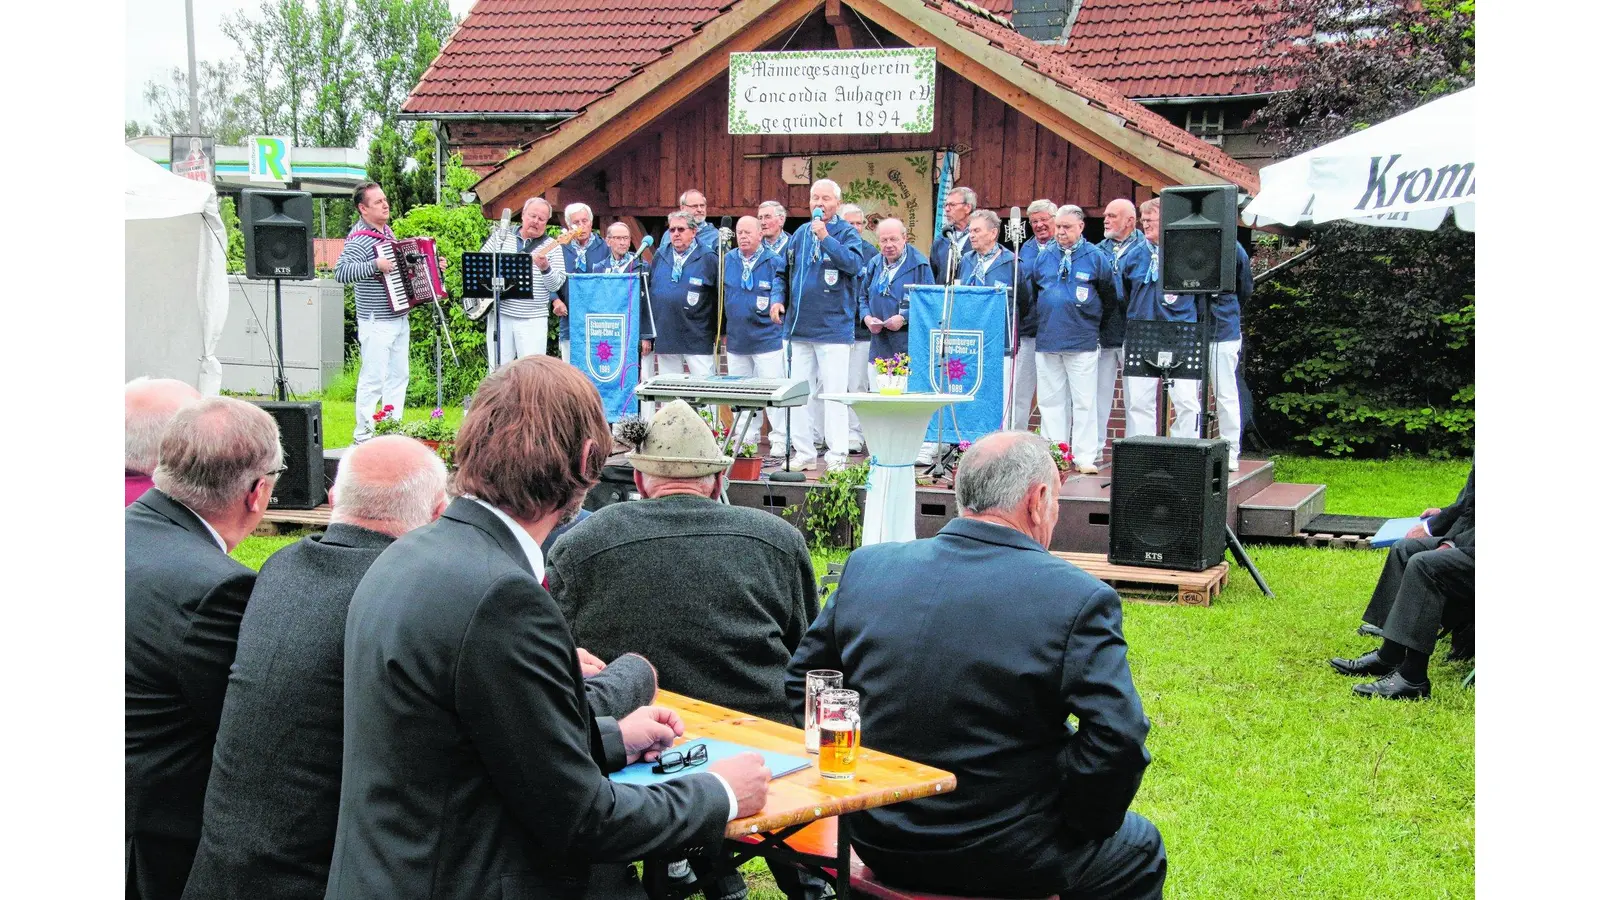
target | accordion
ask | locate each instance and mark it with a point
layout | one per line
(415, 278)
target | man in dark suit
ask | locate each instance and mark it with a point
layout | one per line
(273, 799)
(219, 460)
(1428, 574)
(473, 766)
(971, 649)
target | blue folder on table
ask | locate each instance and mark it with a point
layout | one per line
(780, 764)
(1393, 530)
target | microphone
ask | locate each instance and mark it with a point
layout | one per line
(816, 214)
(725, 230)
(1014, 226)
(505, 220)
(643, 245)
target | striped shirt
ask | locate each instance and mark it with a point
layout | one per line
(545, 284)
(358, 265)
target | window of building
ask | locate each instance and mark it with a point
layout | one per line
(1205, 122)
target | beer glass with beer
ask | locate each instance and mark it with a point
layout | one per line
(817, 681)
(839, 721)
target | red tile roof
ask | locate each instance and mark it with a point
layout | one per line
(1169, 48)
(546, 56)
(1052, 62)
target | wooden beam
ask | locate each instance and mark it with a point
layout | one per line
(1031, 92)
(834, 12)
(642, 99)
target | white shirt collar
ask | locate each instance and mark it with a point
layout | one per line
(529, 548)
(214, 535)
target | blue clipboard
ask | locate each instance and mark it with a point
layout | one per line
(1393, 530)
(779, 763)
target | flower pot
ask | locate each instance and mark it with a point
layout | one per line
(891, 384)
(431, 445)
(746, 468)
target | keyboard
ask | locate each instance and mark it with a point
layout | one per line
(732, 390)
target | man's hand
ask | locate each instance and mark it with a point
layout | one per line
(749, 777)
(646, 347)
(589, 663)
(542, 262)
(384, 265)
(895, 322)
(873, 323)
(649, 730)
(776, 311)
(1417, 532)
(1431, 511)
(559, 307)
(819, 229)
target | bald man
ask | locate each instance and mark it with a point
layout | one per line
(1129, 252)
(148, 404)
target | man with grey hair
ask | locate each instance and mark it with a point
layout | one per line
(148, 404)
(273, 800)
(693, 204)
(819, 323)
(951, 244)
(1129, 252)
(522, 327)
(772, 214)
(1042, 220)
(977, 645)
(184, 596)
(586, 252)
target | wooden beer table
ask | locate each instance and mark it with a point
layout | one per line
(800, 798)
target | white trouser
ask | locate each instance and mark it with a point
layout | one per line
(1139, 406)
(827, 367)
(1072, 421)
(860, 382)
(761, 365)
(1225, 385)
(1105, 397)
(697, 364)
(647, 371)
(566, 350)
(519, 337)
(385, 369)
(1022, 387)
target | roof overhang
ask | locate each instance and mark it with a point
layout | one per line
(750, 25)
(1212, 98)
(486, 116)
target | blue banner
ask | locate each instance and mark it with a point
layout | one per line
(604, 311)
(967, 358)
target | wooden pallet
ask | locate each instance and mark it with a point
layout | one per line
(1337, 541)
(280, 521)
(1184, 588)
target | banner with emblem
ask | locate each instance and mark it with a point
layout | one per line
(604, 311)
(964, 356)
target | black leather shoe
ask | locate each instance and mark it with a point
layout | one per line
(1394, 687)
(1367, 665)
(1367, 630)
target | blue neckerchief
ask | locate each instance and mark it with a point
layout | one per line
(886, 276)
(581, 262)
(677, 263)
(1153, 274)
(816, 245)
(981, 264)
(614, 264)
(748, 278)
(1120, 247)
(1066, 259)
(776, 245)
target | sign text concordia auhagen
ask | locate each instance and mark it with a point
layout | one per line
(832, 91)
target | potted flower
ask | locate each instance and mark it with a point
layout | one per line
(746, 464)
(892, 373)
(1062, 454)
(439, 435)
(955, 458)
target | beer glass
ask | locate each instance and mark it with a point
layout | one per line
(817, 681)
(839, 738)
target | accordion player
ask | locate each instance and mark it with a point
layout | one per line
(415, 278)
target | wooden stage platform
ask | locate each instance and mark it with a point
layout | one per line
(1258, 507)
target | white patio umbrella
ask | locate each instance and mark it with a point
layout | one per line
(1406, 172)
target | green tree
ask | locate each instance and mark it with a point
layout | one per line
(222, 113)
(336, 113)
(398, 40)
(261, 96)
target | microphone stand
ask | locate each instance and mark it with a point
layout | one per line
(1014, 234)
(940, 467)
(787, 474)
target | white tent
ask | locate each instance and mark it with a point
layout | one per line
(1406, 172)
(175, 275)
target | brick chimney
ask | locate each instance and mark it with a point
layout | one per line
(1045, 21)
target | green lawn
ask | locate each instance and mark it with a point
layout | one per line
(1270, 780)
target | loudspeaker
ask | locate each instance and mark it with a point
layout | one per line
(277, 234)
(616, 486)
(305, 484)
(1199, 226)
(1169, 502)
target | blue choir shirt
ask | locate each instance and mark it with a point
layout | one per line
(1070, 308)
(822, 291)
(1130, 268)
(885, 299)
(1028, 255)
(684, 311)
(869, 252)
(749, 309)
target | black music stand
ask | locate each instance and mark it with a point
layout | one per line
(1164, 350)
(500, 276)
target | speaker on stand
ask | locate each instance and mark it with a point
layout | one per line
(304, 484)
(277, 244)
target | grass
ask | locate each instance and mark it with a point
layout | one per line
(1269, 779)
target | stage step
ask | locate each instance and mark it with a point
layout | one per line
(1281, 509)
